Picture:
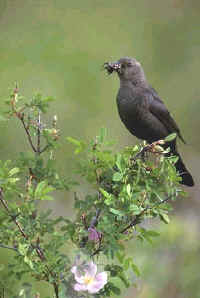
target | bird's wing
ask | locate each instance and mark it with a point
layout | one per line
(158, 109)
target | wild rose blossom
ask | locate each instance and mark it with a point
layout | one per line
(88, 279)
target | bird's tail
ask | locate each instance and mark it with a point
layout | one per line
(183, 172)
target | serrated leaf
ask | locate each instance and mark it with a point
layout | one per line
(170, 137)
(42, 189)
(13, 171)
(117, 176)
(165, 218)
(125, 280)
(118, 162)
(117, 212)
(135, 209)
(135, 269)
(152, 233)
(29, 262)
(126, 264)
(106, 194)
(13, 180)
(73, 141)
(120, 257)
(128, 189)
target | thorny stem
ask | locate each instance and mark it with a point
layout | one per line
(149, 148)
(44, 149)
(27, 132)
(56, 289)
(137, 218)
(38, 133)
(20, 115)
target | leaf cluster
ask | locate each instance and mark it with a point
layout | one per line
(124, 189)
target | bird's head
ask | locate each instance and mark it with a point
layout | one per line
(128, 69)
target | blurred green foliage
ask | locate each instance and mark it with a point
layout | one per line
(59, 47)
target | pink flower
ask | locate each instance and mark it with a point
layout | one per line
(89, 280)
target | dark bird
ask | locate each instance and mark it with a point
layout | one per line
(142, 111)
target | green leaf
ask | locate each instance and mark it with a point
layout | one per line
(116, 212)
(73, 141)
(120, 256)
(117, 176)
(124, 279)
(42, 189)
(135, 209)
(128, 189)
(23, 248)
(170, 137)
(13, 172)
(28, 261)
(152, 233)
(164, 217)
(118, 162)
(127, 263)
(109, 197)
(80, 145)
(135, 269)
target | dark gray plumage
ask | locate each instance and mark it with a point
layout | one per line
(142, 111)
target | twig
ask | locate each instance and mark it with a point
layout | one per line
(95, 218)
(96, 252)
(5, 205)
(44, 149)
(136, 220)
(8, 247)
(28, 133)
(38, 133)
(149, 148)
(55, 285)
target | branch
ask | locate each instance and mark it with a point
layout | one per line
(149, 148)
(44, 149)
(27, 133)
(37, 248)
(8, 247)
(38, 133)
(94, 220)
(137, 218)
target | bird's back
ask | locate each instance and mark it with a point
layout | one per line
(133, 106)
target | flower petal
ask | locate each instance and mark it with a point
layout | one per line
(103, 277)
(78, 277)
(79, 287)
(73, 269)
(98, 283)
(91, 269)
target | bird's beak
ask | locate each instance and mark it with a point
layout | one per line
(112, 66)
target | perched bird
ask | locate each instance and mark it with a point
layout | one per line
(142, 111)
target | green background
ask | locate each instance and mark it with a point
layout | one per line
(58, 48)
